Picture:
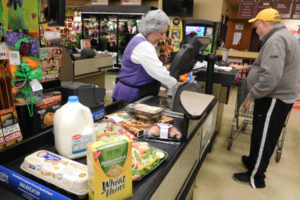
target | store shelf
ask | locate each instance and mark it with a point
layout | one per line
(238, 54)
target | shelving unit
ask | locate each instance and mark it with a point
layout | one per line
(71, 32)
(111, 27)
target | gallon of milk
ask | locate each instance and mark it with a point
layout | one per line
(73, 129)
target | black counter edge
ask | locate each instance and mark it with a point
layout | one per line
(21, 148)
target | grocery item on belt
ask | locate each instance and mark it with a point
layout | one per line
(157, 131)
(62, 172)
(147, 110)
(108, 128)
(109, 169)
(145, 159)
(73, 128)
(26, 187)
(118, 116)
(46, 110)
(147, 113)
(137, 127)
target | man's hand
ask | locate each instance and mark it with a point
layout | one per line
(246, 104)
(239, 67)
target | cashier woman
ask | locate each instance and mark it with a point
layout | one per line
(142, 73)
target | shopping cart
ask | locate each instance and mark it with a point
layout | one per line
(242, 120)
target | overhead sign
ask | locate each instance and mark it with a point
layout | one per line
(284, 9)
(296, 10)
(131, 2)
(246, 10)
(262, 5)
(99, 2)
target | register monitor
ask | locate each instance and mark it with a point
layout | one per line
(185, 59)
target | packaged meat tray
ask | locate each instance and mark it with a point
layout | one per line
(166, 132)
(57, 170)
(137, 127)
(149, 112)
(145, 159)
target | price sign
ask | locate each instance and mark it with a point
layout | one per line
(131, 2)
(246, 10)
(296, 10)
(99, 2)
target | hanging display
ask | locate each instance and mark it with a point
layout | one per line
(21, 16)
(176, 33)
(21, 27)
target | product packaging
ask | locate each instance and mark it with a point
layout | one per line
(26, 187)
(109, 169)
(6, 98)
(46, 110)
(51, 62)
(73, 128)
(137, 127)
(9, 127)
(145, 159)
(145, 112)
(164, 132)
(109, 128)
(57, 170)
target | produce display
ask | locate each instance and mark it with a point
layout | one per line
(145, 159)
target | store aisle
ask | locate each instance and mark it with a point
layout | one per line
(214, 180)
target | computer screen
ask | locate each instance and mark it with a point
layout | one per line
(209, 31)
(199, 30)
(185, 59)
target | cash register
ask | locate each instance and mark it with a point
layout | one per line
(184, 62)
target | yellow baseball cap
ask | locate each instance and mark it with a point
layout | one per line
(268, 14)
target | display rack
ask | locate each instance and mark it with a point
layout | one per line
(111, 27)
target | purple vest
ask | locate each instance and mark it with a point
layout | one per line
(131, 75)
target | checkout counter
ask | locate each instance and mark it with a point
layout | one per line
(175, 177)
(85, 70)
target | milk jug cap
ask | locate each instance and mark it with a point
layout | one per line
(73, 99)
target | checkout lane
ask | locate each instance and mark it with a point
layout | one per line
(143, 189)
(180, 168)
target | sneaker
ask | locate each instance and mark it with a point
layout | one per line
(245, 178)
(241, 178)
(245, 161)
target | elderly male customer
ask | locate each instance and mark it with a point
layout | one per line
(142, 72)
(273, 85)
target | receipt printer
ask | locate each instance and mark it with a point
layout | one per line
(89, 95)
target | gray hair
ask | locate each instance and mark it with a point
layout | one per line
(153, 21)
(272, 23)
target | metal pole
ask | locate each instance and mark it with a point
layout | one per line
(211, 59)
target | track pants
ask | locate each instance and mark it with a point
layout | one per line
(269, 116)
